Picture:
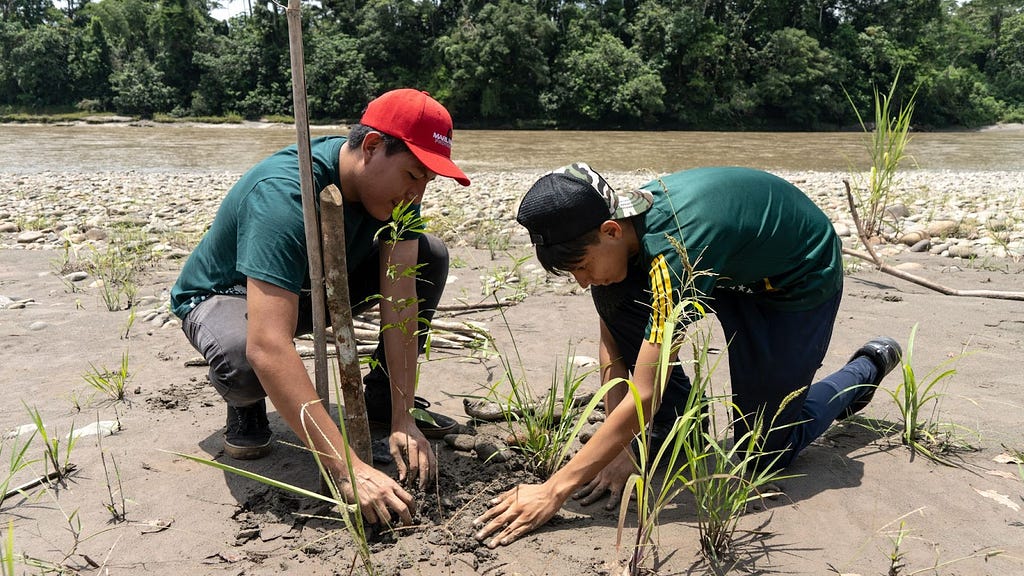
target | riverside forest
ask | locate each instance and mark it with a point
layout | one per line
(644, 64)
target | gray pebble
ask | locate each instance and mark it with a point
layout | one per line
(921, 246)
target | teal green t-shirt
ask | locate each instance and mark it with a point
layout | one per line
(742, 230)
(259, 231)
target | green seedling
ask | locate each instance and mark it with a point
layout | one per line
(545, 429)
(917, 401)
(507, 279)
(7, 551)
(56, 454)
(16, 462)
(116, 504)
(116, 267)
(111, 383)
(723, 478)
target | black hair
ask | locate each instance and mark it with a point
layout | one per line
(392, 145)
(566, 256)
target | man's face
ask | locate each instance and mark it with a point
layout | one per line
(390, 180)
(605, 261)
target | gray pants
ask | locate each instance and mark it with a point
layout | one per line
(217, 326)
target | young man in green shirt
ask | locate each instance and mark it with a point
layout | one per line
(749, 245)
(244, 292)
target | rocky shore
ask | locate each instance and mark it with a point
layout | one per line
(952, 214)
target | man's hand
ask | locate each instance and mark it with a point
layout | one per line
(413, 455)
(611, 480)
(379, 494)
(517, 513)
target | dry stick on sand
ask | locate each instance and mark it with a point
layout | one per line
(873, 257)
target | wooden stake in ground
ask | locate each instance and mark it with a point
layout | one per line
(309, 212)
(339, 303)
(874, 258)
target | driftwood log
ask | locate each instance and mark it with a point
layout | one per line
(871, 256)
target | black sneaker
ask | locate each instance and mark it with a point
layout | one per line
(378, 412)
(886, 354)
(247, 435)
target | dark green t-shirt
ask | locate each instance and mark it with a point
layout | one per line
(259, 231)
(743, 230)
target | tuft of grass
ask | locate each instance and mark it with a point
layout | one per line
(917, 401)
(724, 477)
(116, 504)
(7, 551)
(112, 383)
(56, 454)
(116, 267)
(507, 281)
(16, 462)
(886, 145)
(545, 428)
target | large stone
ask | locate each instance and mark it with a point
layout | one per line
(913, 237)
(962, 251)
(8, 227)
(30, 236)
(96, 234)
(942, 228)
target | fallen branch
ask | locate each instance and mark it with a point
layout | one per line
(874, 258)
(57, 475)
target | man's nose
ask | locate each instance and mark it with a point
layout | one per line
(415, 194)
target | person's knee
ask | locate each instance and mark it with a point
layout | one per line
(433, 254)
(433, 274)
(233, 377)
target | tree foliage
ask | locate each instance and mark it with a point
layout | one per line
(592, 63)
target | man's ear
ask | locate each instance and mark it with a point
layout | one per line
(612, 229)
(372, 143)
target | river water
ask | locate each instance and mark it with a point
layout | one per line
(234, 148)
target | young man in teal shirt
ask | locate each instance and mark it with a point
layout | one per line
(244, 292)
(749, 245)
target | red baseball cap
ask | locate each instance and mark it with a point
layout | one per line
(422, 123)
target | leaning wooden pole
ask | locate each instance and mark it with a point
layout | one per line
(357, 427)
(316, 269)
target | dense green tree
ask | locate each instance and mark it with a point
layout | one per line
(176, 29)
(28, 13)
(795, 79)
(598, 78)
(629, 63)
(337, 82)
(90, 64)
(248, 72)
(125, 24)
(702, 67)
(39, 65)
(139, 88)
(394, 38)
(495, 62)
(1007, 62)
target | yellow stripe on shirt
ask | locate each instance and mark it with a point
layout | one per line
(661, 298)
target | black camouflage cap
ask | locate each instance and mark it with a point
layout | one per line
(570, 201)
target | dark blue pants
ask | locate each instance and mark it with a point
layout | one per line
(772, 353)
